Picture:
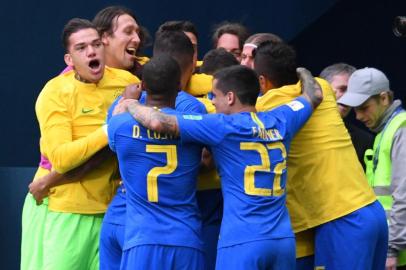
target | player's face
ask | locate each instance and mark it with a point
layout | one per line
(231, 44)
(86, 55)
(370, 112)
(220, 100)
(246, 57)
(122, 44)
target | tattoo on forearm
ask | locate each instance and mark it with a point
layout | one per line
(313, 91)
(168, 123)
(153, 119)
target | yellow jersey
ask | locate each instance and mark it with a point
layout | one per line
(199, 84)
(70, 115)
(325, 179)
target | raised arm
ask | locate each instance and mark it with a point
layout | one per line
(311, 90)
(151, 118)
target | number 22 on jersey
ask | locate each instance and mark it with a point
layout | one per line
(265, 166)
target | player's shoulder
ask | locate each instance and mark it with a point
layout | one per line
(61, 84)
(120, 74)
(187, 103)
(120, 121)
(199, 84)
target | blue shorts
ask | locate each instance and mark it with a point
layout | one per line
(358, 240)
(111, 246)
(157, 257)
(276, 254)
(305, 263)
(211, 207)
(210, 238)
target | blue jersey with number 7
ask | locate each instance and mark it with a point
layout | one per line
(160, 177)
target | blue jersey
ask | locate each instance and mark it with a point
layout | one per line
(160, 177)
(250, 152)
(185, 103)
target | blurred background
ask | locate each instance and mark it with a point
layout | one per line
(358, 32)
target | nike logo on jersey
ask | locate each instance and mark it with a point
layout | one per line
(86, 110)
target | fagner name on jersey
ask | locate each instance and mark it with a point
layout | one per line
(153, 135)
(266, 134)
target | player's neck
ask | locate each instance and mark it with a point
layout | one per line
(244, 108)
(159, 101)
(80, 79)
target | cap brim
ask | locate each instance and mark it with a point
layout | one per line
(352, 99)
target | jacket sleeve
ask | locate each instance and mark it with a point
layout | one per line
(397, 221)
(55, 121)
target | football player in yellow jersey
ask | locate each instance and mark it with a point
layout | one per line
(71, 110)
(123, 39)
(327, 189)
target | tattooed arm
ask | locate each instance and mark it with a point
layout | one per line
(311, 89)
(153, 119)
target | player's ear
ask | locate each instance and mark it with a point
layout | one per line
(231, 98)
(68, 59)
(104, 38)
(264, 84)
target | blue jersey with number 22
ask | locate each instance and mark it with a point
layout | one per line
(250, 151)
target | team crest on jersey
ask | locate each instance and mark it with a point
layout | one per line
(117, 93)
(192, 117)
(295, 105)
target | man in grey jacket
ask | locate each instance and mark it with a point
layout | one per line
(369, 93)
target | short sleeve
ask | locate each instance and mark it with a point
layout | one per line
(208, 129)
(113, 128)
(296, 113)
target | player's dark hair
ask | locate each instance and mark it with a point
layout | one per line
(241, 80)
(276, 62)
(106, 19)
(177, 45)
(230, 28)
(259, 38)
(161, 76)
(74, 25)
(217, 59)
(185, 26)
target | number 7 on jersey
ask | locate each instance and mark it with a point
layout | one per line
(152, 176)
